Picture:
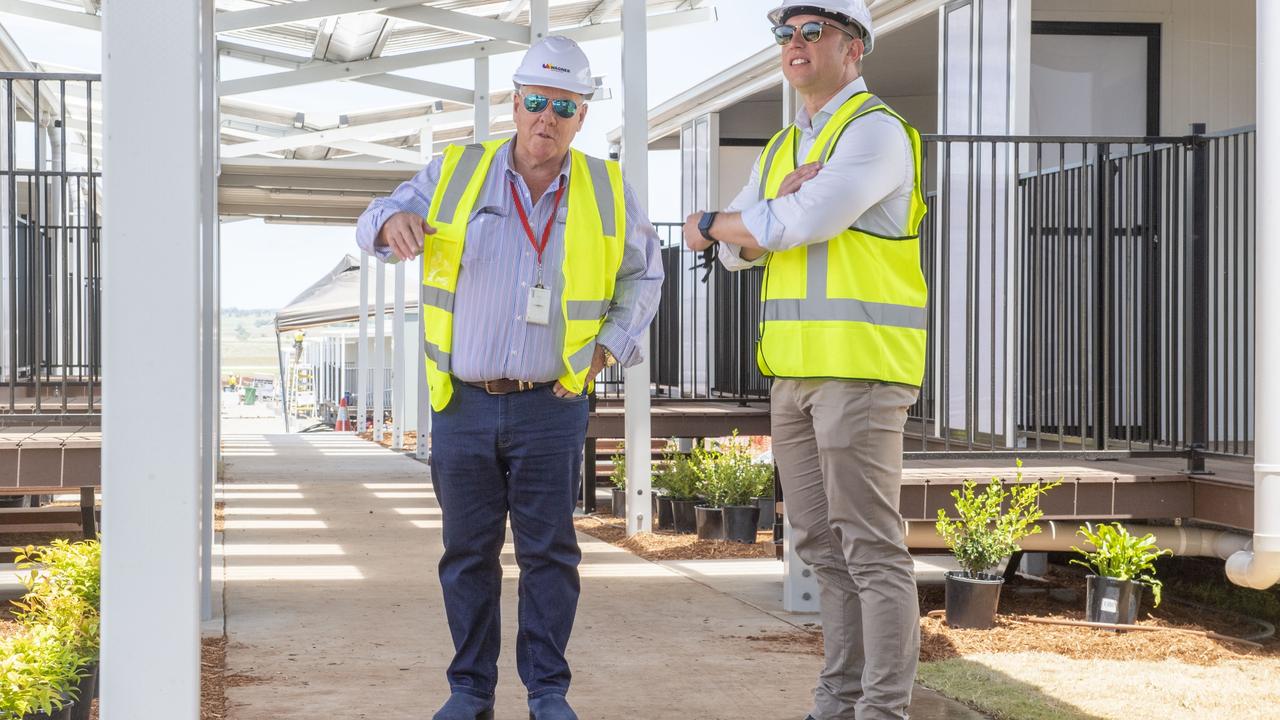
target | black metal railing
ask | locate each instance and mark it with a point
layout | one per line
(1089, 295)
(50, 211)
(702, 341)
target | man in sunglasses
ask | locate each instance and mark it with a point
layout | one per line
(843, 333)
(539, 269)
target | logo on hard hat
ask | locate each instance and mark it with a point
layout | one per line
(557, 68)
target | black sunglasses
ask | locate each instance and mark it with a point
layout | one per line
(536, 103)
(810, 31)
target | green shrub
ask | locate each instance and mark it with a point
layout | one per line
(1122, 556)
(677, 476)
(727, 476)
(983, 535)
(619, 475)
(64, 583)
(38, 669)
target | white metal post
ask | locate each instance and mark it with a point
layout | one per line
(424, 391)
(151, 480)
(635, 158)
(1260, 567)
(362, 350)
(379, 350)
(210, 357)
(482, 99)
(397, 363)
(539, 20)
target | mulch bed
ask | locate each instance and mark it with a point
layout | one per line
(1015, 633)
(664, 545)
(410, 439)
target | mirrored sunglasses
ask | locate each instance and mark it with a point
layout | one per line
(535, 103)
(810, 31)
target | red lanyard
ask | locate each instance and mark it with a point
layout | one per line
(524, 218)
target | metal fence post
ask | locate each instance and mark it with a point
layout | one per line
(1197, 307)
(1102, 301)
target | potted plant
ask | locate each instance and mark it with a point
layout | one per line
(743, 481)
(765, 499)
(619, 479)
(63, 590)
(681, 482)
(662, 473)
(39, 664)
(1122, 563)
(712, 468)
(980, 537)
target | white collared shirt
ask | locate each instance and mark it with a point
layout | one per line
(868, 180)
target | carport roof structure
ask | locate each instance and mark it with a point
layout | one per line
(379, 43)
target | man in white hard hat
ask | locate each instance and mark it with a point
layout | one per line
(843, 334)
(539, 268)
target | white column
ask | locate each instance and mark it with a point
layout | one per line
(397, 392)
(362, 350)
(539, 20)
(424, 392)
(379, 349)
(210, 357)
(1260, 567)
(426, 143)
(151, 480)
(482, 99)
(635, 157)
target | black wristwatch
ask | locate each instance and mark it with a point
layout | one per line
(704, 225)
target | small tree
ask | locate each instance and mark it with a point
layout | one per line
(1122, 556)
(677, 476)
(983, 534)
(619, 475)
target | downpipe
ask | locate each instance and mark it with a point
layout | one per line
(1258, 565)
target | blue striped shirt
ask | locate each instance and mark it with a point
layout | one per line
(491, 339)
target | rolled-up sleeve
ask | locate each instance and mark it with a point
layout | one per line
(866, 167)
(413, 195)
(637, 290)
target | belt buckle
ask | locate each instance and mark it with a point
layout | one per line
(490, 390)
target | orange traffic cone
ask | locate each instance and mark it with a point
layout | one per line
(340, 425)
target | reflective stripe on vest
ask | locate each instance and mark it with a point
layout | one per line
(594, 236)
(851, 307)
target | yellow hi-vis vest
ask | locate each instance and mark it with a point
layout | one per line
(852, 307)
(594, 237)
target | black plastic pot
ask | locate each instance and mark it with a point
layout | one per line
(62, 714)
(663, 517)
(740, 523)
(619, 502)
(1109, 600)
(88, 689)
(767, 512)
(683, 517)
(710, 523)
(972, 600)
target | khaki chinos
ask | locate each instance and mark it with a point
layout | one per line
(838, 445)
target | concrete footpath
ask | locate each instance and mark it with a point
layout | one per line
(333, 608)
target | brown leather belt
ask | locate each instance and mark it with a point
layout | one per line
(505, 386)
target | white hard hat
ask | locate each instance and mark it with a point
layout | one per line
(852, 11)
(556, 61)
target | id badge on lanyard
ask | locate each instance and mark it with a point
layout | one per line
(538, 307)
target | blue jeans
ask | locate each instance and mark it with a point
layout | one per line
(492, 455)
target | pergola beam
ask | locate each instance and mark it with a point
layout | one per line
(377, 149)
(600, 31)
(325, 72)
(368, 131)
(51, 14)
(300, 11)
(513, 10)
(421, 87)
(463, 23)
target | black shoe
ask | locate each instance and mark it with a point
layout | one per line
(462, 706)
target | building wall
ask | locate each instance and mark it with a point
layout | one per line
(1207, 54)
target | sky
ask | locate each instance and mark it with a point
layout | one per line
(267, 265)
